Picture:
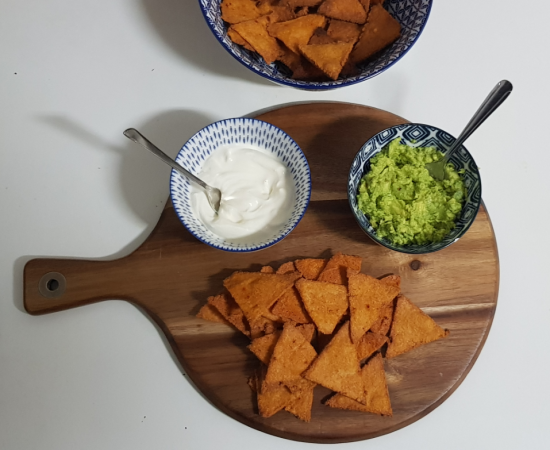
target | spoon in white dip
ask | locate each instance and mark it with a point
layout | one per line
(213, 194)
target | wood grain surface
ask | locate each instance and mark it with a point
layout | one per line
(171, 274)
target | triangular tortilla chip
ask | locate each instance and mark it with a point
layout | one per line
(256, 292)
(367, 297)
(287, 267)
(262, 327)
(342, 31)
(348, 10)
(238, 39)
(272, 398)
(301, 402)
(310, 268)
(326, 303)
(383, 324)
(236, 11)
(267, 269)
(369, 343)
(255, 33)
(263, 346)
(378, 398)
(229, 309)
(330, 58)
(337, 269)
(290, 307)
(292, 355)
(277, 11)
(308, 330)
(296, 32)
(208, 312)
(380, 30)
(320, 36)
(411, 328)
(337, 367)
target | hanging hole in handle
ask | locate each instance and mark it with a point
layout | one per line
(52, 285)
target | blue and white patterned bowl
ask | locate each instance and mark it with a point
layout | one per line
(411, 14)
(417, 135)
(239, 131)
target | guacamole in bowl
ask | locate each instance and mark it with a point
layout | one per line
(395, 200)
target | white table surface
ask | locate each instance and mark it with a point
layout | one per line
(75, 74)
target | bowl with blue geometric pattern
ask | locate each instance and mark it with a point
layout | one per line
(248, 133)
(411, 14)
(417, 135)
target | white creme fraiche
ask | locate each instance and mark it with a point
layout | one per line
(258, 193)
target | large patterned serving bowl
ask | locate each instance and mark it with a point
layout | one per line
(411, 14)
(417, 135)
(248, 133)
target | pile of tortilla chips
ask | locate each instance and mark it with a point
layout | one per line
(316, 321)
(315, 39)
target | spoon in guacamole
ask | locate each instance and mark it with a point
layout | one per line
(491, 103)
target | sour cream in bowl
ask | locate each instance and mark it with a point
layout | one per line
(264, 178)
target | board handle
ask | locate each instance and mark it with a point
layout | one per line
(52, 285)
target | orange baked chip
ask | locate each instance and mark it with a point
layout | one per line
(303, 11)
(378, 398)
(320, 36)
(236, 11)
(326, 303)
(307, 71)
(271, 398)
(256, 292)
(336, 270)
(342, 31)
(208, 312)
(297, 3)
(301, 402)
(229, 309)
(292, 355)
(310, 268)
(411, 328)
(263, 326)
(369, 343)
(380, 30)
(383, 324)
(290, 307)
(287, 267)
(255, 33)
(392, 280)
(263, 346)
(367, 297)
(296, 32)
(330, 58)
(238, 39)
(368, 3)
(348, 10)
(308, 330)
(267, 269)
(337, 367)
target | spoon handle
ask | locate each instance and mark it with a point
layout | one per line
(136, 136)
(492, 102)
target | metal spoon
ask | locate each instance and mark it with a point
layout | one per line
(213, 194)
(491, 103)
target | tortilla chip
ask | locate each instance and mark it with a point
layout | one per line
(368, 344)
(290, 307)
(303, 11)
(208, 312)
(308, 330)
(392, 280)
(262, 327)
(348, 10)
(341, 31)
(229, 309)
(367, 4)
(256, 292)
(411, 328)
(378, 397)
(263, 346)
(320, 36)
(281, 13)
(236, 11)
(287, 267)
(336, 270)
(267, 269)
(272, 398)
(337, 367)
(383, 324)
(380, 31)
(255, 33)
(292, 355)
(238, 39)
(294, 33)
(301, 402)
(330, 58)
(310, 268)
(297, 3)
(307, 71)
(326, 303)
(367, 297)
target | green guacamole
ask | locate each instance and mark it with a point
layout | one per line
(403, 202)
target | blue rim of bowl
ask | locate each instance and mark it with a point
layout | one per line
(317, 85)
(173, 174)
(404, 249)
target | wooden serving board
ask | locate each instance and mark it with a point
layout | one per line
(171, 275)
